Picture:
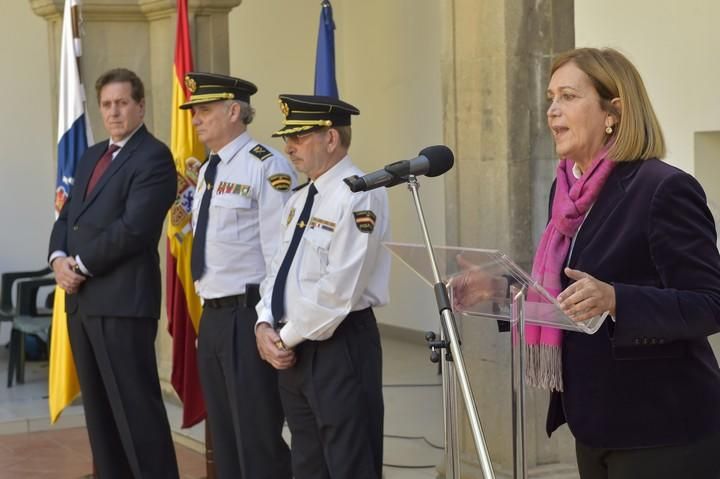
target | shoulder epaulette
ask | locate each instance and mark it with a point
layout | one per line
(261, 152)
(300, 187)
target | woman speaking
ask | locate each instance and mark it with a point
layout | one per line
(630, 236)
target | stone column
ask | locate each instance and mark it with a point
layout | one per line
(140, 35)
(496, 57)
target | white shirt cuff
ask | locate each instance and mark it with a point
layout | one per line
(290, 336)
(55, 255)
(264, 316)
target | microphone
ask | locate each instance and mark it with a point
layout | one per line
(431, 161)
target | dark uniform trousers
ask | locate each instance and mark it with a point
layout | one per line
(241, 395)
(698, 460)
(125, 415)
(334, 404)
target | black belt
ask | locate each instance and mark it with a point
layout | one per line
(226, 301)
(359, 318)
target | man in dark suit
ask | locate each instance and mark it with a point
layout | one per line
(103, 250)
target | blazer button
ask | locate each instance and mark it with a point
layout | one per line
(76, 227)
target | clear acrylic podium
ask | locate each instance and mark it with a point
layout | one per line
(488, 285)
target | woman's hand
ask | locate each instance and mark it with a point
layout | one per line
(586, 297)
(473, 285)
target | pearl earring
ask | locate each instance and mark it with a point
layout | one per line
(609, 130)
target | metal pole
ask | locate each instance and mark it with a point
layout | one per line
(451, 330)
(517, 369)
(452, 437)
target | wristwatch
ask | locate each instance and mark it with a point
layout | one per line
(76, 269)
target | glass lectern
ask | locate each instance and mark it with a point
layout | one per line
(487, 284)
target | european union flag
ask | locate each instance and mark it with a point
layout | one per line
(325, 83)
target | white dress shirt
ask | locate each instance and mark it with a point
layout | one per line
(337, 268)
(243, 228)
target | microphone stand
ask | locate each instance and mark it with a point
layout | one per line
(455, 356)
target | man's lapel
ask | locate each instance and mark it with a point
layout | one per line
(117, 163)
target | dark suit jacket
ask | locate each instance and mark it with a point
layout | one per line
(650, 378)
(116, 229)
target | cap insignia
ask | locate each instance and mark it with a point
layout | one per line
(284, 108)
(190, 84)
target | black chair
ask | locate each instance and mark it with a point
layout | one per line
(28, 319)
(7, 308)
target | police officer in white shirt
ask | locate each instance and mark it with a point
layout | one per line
(315, 320)
(236, 218)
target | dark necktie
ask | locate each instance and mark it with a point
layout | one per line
(197, 256)
(100, 167)
(278, 295)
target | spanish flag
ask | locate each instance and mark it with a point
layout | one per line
(183, 305)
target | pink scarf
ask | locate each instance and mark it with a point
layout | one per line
(573, 199)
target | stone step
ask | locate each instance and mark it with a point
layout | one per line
(546, 471)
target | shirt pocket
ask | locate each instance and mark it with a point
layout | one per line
(316, 248)
(228, 215)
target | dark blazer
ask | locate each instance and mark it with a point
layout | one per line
(650, 378)
(116, 229)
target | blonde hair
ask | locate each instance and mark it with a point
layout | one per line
(637, 134)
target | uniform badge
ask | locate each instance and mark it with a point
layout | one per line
(190, 84)
(261, 152)
(322, 224)
(290, 216)
(280, 181)
(284, 108)
(365, 220)
(227, 188)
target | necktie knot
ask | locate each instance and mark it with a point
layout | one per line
(112, 148)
